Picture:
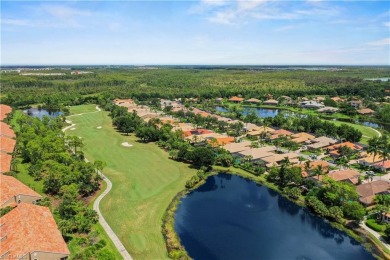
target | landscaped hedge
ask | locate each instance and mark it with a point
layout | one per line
(371, 223)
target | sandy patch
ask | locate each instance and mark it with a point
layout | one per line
(73, 128)
(68, 121)
(99, 127)
(126, 144)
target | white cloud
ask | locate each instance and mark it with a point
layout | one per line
(16, 22)
(381, 42)
(387, 24)
(61, 11)
(214, 2)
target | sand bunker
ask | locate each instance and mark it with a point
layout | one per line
(99, 127)
(73, 128)
(126, 144)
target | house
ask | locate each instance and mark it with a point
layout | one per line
(14, 192)
(328, 110)
(249, 127)
(7, 145)
(234, 148)
(221, 141)
(386, 217)
(124, 102)
(257, 153)
(260, 131)
(30, 232)
(368, 159)
(356, 103)
(319, 99)
(275, 158)
(271, 102)
(311, 104)
(5, 162)
(312, 166)
(279, 133)
(183, 127)
(333, 149)
(6, 130)
(253, 101)
(337, 99)
(168, 120)
(320, 142)
(382, 166)
(367, 191)
(4, 111)
(301, 137)
(366, 111)
(219, 100)
(236, 99)
(349, 175)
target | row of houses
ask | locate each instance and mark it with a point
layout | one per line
(28, 231)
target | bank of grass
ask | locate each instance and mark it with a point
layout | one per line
(144, 182)
(23, 176)
(82, 109)
(367, 132)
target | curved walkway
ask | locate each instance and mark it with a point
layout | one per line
(375, 234)
(114, 238)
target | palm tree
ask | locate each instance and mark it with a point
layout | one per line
(318, 171)
(373, 147)
(369, 175)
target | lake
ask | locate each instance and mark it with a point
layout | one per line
(230, 217)
(40, 113)
(260, 112)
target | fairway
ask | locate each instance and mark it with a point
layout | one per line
(144, 182)
(367, 132)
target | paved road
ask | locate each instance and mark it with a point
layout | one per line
(118, 244)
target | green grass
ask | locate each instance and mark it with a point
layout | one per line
(83, 109)
(23, 176)
(144, 183)
(368, 132)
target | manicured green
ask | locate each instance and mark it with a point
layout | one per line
(368, 132)
(83, 109)
(23, 176)
(144, 182)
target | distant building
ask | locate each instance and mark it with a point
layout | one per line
(311, 104)
(271, 102)
(356, 104)
(236, 99)
(366, 111)
(328, 110)
(253, 101)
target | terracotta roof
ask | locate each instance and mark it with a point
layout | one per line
(353, 146)
(5, 162)
(280, 132)
(370, 158)
(367, 191)
(365, 111)
(385, 164)
(351, 175)
(11, 187)
(221, 141)
(7, 144)
(274, 158)
(29, 228)
(301, 137)
(337, 99)
(313, 165)
(4, 111)
(6, 130)
(258, 153)
(235, 98)
(260, 131)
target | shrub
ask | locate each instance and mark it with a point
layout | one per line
(371, 223)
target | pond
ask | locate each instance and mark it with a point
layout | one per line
(230, 217)
(40, 113)
(260, 112)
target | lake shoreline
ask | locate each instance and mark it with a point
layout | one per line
(177, 251)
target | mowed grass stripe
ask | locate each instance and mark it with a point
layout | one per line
(144, 182)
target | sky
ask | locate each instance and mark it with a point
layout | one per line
(214, 32)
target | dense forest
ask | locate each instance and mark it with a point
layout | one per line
(20, 90)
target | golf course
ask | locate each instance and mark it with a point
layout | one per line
(144, 181)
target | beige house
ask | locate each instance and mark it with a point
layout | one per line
(349, 175)
(30, 232)
(234, 148)
(257, 153)
(367, 191)
(13, 192)
(271, 102)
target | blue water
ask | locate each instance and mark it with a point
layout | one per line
(232, 218)
(260, 112)
(40, 113)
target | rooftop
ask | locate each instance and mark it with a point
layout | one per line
(29, 228)
(4, 111)
(6, 130)
(11, 187)
(237, 147)
(351, 175)
(365, 111)
(235, 98)
(7, 144)
(258, 153)
(384, 164)
(367, 191)
(5, 162)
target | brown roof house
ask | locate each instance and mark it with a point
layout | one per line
(6, 130)
(30, 232)
(351, 176)
(14, 192)
(5, 162)
(236, 99)
(271, 102)
(4, 111)
(366, 111)
(7, 145)
(253, 101)
(367, 191)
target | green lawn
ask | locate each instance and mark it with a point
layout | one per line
(23, 176)
(368, 132)
(144, 182)
(83, 109)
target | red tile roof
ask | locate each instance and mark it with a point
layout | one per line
(236, 99)
(348, 144)
(5, 162)
(11, 187)
(4, 110)
(365, 111)
(367, 191)
(314, 165)
(221, 141)
(280, 132)
(7, 144)
(6, 130)
(29, 228)
(385, 164)
(351, 175)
